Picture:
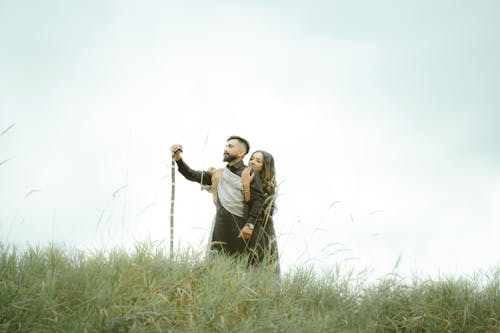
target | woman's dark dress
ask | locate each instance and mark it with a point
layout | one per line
(263, 245)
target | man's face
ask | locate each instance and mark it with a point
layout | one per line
(233, 150)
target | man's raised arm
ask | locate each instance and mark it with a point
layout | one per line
(202, 177)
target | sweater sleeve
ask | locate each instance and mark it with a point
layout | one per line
(256, 199)
(202, 177)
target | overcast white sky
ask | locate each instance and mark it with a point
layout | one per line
(382, 118)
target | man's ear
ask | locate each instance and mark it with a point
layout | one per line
(241, 153)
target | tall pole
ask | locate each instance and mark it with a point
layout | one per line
(172, 201)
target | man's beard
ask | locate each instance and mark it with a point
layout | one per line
(228, 157)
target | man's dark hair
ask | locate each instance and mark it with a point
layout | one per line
(241, 140)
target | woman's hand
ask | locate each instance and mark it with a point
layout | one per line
(247, 176)
(216, 174)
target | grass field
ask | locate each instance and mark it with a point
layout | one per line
(52, 289)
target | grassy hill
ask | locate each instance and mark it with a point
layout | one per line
(51, 289)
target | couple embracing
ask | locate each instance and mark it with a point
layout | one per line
(244, 198)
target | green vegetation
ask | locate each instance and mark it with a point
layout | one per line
(55, 290)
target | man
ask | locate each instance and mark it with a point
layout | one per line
(234, 218)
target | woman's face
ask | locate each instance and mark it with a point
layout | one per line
(256, 161)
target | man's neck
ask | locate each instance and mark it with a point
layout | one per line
(233, 162)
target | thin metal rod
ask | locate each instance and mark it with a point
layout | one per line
(172, 202)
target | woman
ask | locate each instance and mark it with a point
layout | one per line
(262, 243)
